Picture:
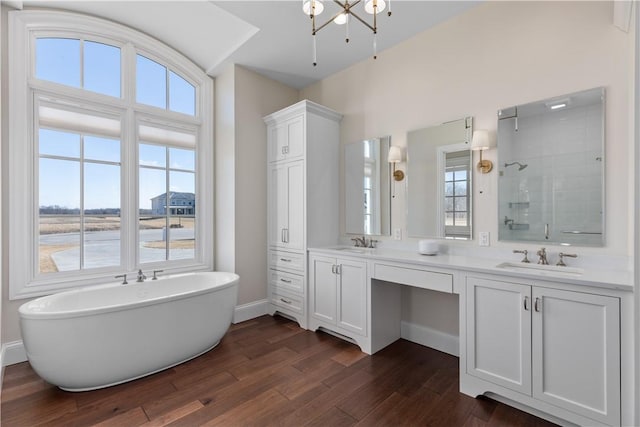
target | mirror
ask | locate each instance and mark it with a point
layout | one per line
(439, 181)
(367, 187)
(551, 170)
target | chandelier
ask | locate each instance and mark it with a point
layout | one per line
(314, 8)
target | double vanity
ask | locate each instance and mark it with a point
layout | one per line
(547, 337)
(555, 341)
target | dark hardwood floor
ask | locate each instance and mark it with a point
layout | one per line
(268, 371)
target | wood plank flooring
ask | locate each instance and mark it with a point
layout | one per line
(269, 372)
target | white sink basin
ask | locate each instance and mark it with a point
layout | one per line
(351, 249)
(541, 269)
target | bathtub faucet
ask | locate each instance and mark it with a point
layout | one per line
(124, 279)
(141, 276)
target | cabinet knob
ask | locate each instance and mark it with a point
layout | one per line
(526, 303)
(537, 305)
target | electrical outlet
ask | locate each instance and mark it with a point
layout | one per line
(397, 234)
(483, 238)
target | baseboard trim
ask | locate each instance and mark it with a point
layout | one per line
(250, 311)
(12, 353)
(429, 337)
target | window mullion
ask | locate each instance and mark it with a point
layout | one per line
(167, 235)
(81, 234)
(129, 214)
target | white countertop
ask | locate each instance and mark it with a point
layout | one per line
(609, 279)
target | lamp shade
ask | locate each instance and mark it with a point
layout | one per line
(341, 19)
(480, 140)
(307, 7)
(369, 6)
(395, 154)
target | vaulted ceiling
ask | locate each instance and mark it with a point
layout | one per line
(272, 38)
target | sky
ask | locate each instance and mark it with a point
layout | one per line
(67, 156)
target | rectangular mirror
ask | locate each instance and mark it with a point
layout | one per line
(439, 176)
(367, 187)
(551, 170)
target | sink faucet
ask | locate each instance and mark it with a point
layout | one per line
(542, 256)
(360, 241)
(561, 262)
(525, 252)
(141, 276)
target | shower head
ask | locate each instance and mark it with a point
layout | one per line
(520, 165)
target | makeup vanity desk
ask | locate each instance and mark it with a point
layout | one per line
(557, 341)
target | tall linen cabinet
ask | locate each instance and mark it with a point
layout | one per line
(303, 153)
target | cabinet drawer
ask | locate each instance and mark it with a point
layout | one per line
(288, 281)
(442, 282)
(285, 300)
(286, 260)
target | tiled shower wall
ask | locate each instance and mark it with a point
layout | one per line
(562, 184)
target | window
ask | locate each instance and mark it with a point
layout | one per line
(371, 185)
(456, 194)
(79, 228)
(110, 154)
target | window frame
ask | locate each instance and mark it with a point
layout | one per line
(459, 231)
(25, 91)
(449, 232)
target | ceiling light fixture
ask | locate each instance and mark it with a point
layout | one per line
(373, 7)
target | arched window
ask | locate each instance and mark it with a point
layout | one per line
(109, 131)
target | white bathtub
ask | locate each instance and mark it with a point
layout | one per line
(98, 337)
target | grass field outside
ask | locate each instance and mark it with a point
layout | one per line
(60, 224)
(51, 225)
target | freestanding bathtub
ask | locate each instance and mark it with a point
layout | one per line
(102, 336)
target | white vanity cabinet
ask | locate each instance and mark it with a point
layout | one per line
(556, 346)
(302, 203)
(338, 294)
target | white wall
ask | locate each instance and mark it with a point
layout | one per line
(2, 49)
(9, 313)
(255, 97)
(496, 55)
(637, 210)
(225, 142)
(243, 97)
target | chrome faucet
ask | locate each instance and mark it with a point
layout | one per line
(360, 241)
(542, 256)
(525, 252)
(561, 260)
(141, 276)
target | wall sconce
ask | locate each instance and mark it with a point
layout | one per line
(395, 156)
(481, 142)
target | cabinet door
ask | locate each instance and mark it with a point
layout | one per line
(576, 352)
(352, 295)
(286, 206)
(499, 333)
(286, 140)
(278, 204)
(322, 288)
(295, 208)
